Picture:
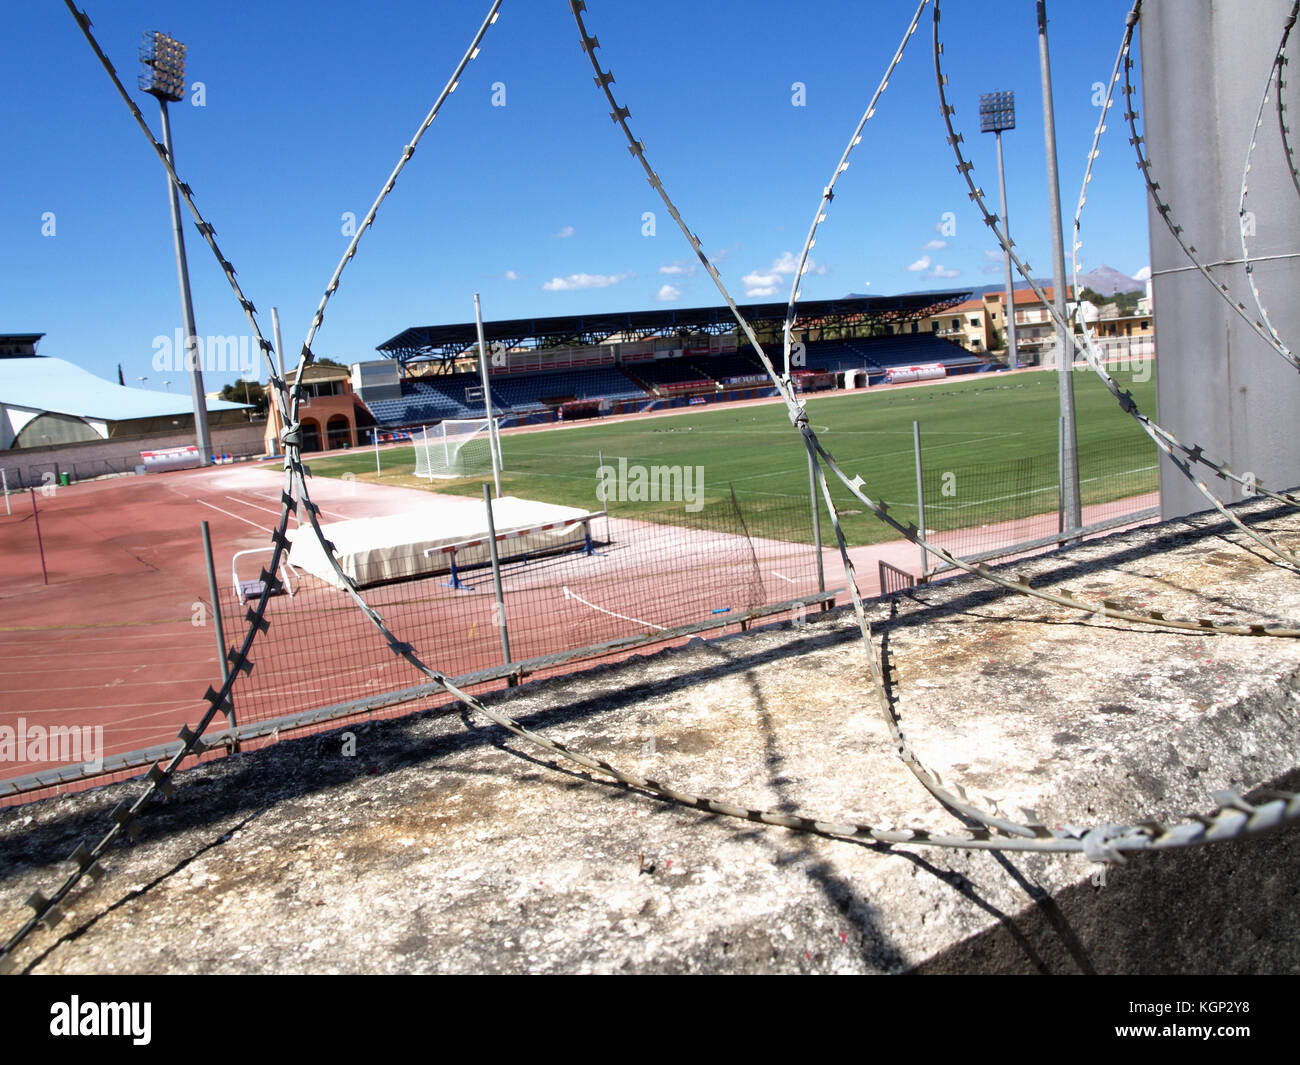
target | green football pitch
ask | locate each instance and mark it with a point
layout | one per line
(966, 423)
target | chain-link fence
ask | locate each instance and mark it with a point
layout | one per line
(625, 579)
(988, 509)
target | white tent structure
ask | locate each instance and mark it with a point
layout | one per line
(428, 540)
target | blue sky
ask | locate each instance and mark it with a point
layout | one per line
(536, 204)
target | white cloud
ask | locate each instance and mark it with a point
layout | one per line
(787, 264)
(923, 263)
(669, 293)
(934, 245)
(757, 284)
(678, 269)
(511, 276)
(769, 282)
(1143, 275)
(575, 282)
(566, 232)
(943, 271)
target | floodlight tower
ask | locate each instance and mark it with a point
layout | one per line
(998, 113)
(163, 77)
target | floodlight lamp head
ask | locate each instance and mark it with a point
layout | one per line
(997, 111)
(164, 66)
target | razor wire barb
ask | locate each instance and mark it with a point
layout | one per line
(1233, 818)
(1274, 75)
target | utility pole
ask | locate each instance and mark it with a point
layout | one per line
(1072, 514)
(494, 441)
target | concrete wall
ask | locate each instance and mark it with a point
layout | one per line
(120, 454)
(1204, 66)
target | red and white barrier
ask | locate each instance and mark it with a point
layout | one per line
(929, 372)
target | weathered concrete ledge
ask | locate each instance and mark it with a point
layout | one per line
(445, 848)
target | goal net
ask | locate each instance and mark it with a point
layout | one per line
(454, 449)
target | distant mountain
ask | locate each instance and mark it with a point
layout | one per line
(1110, 282)
(1105, 279)
(976, 291)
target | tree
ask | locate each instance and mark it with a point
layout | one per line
(247, 392)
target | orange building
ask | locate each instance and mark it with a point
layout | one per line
(328, 411)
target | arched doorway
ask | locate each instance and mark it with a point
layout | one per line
(338, 432)
(310, 435)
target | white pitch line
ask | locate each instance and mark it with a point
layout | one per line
(636, 621)
(784, 577)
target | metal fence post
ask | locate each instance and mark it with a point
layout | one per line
(216, 619)
(496, 576)
(40, 546)
(920, 496)
(4, 480)
(600, 458)
(816, 522)
(1060, 475)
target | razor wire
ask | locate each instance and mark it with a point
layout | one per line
(1165, 210)
(828, 193)
(955, 803)
(1090, 352)
(48, 910)
(1163, 438)
(620, 115)
(1234, 818)
(1274, 74)
(1284, 129)
(1105, 841)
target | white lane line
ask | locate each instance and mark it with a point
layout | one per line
(636, 621)
(227, 513)
(331, 513)
(784, 577)
(246, 503)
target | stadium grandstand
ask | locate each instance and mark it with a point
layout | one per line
(545, 369)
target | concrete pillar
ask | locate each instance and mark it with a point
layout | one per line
(1204, 65)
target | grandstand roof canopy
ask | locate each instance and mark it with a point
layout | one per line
(45, 384)
(451, 341)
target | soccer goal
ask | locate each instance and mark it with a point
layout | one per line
(454, 449)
